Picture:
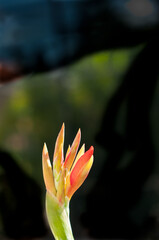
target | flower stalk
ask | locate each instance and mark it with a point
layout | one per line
(58, 218)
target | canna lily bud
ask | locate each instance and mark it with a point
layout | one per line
(62, 180)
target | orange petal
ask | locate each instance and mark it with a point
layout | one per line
(79, 179)
(72, 153)
(58, 154)
(79, 172)
(47, 171)
(80, 164)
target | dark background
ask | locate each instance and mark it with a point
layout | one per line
(93, 65)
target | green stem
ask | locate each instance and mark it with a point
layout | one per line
(58, 217)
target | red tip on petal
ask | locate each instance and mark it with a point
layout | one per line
(80, 164)
(75, 181)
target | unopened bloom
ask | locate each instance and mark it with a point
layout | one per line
(62, 179)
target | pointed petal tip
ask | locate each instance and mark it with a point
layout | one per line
(63, 125)
(45, 156)
(91, 149)
(83, 146)
(79, 135)
(61, 132)
(45, 150)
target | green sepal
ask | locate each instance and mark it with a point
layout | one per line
(58, 218)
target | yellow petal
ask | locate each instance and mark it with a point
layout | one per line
(47, 171)
(58, 155)
(68, 150)
(61, 187)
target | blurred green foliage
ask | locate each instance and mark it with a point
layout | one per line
(33, 109)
